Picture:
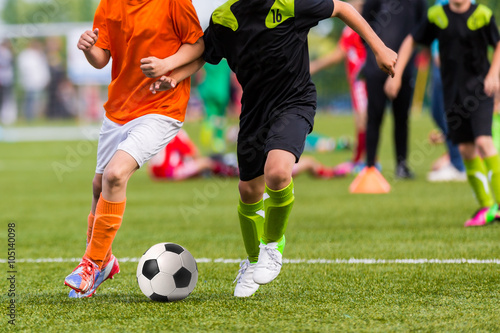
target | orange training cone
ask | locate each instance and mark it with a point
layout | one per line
(370, 180)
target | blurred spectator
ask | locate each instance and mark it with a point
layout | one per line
(34, 76)
(8, 112)
(215, 92)
(181, 160)
(392, 21)
(60, 90)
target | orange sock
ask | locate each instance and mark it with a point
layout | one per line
(108, 218)
(90, 227)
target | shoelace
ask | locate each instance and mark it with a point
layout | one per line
(274, 263)
(87, 269)
(243, 267)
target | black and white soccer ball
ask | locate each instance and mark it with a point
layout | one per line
(167, 272)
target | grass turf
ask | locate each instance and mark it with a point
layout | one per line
(46, 191)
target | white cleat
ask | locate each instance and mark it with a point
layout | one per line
(245, 286)
(269, 264)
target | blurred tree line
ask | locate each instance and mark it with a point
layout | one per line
(48, 11)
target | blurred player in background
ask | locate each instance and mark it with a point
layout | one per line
(351, 49)
(464, 32)
(392, 21)
(215, 90)
(265, 44)
(137, 124)
(181, 159)
(450, 166)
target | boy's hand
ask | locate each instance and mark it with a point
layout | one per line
(392, 87)
(491, 84)
(153, 67)
(163, 83)
(88, 39)
(386, 60)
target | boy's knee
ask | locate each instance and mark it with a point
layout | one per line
(484, 141)
(278, 178)
(250, 192)
(114, 177)
(485, 145)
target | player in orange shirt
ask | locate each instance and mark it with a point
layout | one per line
(145, 39)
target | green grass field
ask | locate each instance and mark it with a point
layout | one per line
(46, 191)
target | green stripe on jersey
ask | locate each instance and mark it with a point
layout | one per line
(225, 17)
(480, 18)
(280, 12)
(437, 15)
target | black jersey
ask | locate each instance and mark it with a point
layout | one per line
(265, 44)
(463, 48)
(392, 21)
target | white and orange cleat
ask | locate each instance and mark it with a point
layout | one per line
(107, 272)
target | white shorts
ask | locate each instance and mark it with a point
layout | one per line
(142, 138)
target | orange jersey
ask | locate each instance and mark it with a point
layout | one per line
(136, 29)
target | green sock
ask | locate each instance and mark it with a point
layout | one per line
(277, 210)
(478, 180)
(252, 225)
(495, 130)
(493, 166)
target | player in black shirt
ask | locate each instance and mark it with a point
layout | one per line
(464, 32)
(265, 44)
(392, 21)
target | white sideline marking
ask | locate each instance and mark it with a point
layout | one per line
(295, 261)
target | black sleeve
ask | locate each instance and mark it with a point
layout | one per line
(309, 12)
(213, 53)
(493, 35)
(370, 9)
(425, 33)
(421, 12)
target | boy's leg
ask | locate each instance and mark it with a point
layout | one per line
(277, 207)
(96, 191)
(375, 114)
(122, 149)
(478, 180)
(359, 98)
(108, 218)
(401, 110)
(492, 162)
(251, 217)
(111, 205)
(477, 175)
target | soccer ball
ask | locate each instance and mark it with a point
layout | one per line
(167, 272)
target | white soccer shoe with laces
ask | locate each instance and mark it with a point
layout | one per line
(269, 264)
(245, 286)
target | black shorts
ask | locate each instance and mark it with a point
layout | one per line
(286, 131)
(467, 122)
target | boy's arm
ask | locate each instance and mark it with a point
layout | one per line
(96, 56)
(153, 67)
(177, 75)
(492, 80)
(393, 85)
(386, 58)
(333, 58)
